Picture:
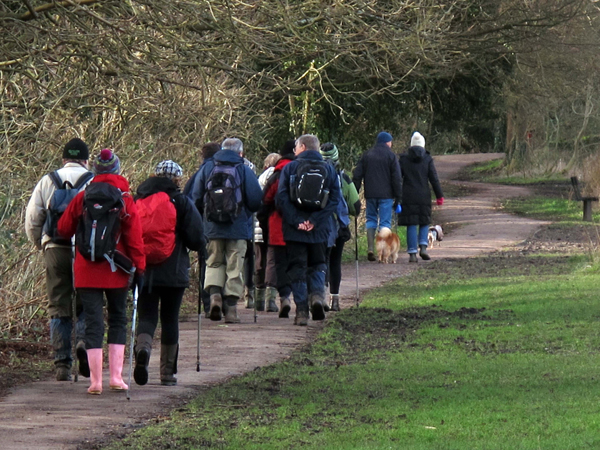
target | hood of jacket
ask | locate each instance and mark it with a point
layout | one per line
(118, 181)
(310, 154)
(416, 153)
(228, 156)
(283, 162)
(156, 184)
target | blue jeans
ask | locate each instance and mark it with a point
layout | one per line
(379, 208)
(307, 268)
(411, 237)
(60, 337)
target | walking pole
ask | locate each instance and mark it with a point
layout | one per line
(356, 257)
(200, 288)
(133, 319)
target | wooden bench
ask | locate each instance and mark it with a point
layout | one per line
(587, 201)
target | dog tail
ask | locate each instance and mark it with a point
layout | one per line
(384, 232)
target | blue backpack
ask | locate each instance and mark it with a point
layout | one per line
(62, 196)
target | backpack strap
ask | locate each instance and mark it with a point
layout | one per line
(87, 176)
(55, 177)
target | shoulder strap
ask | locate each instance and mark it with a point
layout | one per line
(84, 178)
(55, 177)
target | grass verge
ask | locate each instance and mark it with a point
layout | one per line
(487, 353)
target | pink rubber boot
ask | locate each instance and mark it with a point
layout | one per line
(94, 356)
(116, 353)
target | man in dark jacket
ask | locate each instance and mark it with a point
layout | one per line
(227, 240)
(379, 169)
(208, 152)
(306, 231)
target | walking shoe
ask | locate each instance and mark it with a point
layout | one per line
(231, 315)
(335, 302)
(216, 305)
(116, 356)
(271, 296)
(168, 364)
(143, 349)
(423, 253)
(301, 318)
(84, 367)
(63, 373)
(95, 362)
(412, 258)
(286, 306)
(371, 256)
(316, 307)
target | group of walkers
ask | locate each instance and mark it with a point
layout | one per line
(279, 234)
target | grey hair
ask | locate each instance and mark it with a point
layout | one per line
(311, 141)
(233, 144)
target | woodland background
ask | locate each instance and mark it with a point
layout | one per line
(157, 79)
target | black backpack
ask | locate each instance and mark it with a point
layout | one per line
(308, 185)
(99, 228)
(223, 196)
(62, 196)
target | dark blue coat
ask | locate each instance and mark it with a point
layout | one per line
(175, 270)
(323, 220)
(242, 227)
(379, 170)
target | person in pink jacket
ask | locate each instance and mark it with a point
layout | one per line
(96, 279)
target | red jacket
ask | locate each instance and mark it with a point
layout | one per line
(275, 230)
(98, 275)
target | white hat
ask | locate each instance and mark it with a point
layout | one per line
(168, 169)
(417, 140)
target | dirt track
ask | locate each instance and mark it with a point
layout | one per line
(51, 415)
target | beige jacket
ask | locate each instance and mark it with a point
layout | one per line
(35, 215)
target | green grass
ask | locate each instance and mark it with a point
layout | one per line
(487, 353)
(544, 208)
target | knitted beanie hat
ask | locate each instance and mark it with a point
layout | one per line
(76, 149)
(417, 140)
(330, 151)
(107, 162)
(384, 137)
(288, 148)
(168, 169)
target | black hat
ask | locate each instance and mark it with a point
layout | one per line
(76, 149)
(288, 148)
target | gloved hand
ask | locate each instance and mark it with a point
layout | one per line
(398, 208)
(138, 281)
(440, 201)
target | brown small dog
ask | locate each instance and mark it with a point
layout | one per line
(388, 246)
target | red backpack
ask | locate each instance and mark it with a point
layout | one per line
(159, 218)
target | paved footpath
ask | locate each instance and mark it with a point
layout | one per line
(51, 415)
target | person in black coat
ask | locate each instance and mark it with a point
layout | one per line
(167, 281)
(418, 171)
(378, 169)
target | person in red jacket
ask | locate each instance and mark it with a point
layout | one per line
(276, 242)
(96, 279)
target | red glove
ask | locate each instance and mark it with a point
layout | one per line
(440, 201)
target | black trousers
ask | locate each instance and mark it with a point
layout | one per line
(284, 285)
(148, 310)
(93, 307)
(334, 266)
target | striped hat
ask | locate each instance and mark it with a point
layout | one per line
(107, 162)
(168, 169)
(330, 151)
